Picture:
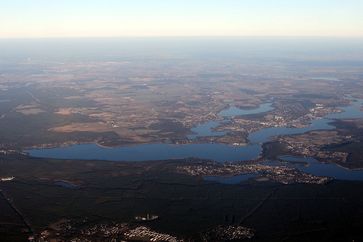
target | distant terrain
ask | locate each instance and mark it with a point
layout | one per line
(303, 184)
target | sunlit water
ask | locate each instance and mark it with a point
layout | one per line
(218, 152)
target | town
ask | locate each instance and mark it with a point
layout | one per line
(79, 231)
(278, 173)
(312, 144)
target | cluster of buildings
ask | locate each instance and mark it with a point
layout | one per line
(215, 169)
(6, 179)
(312, 144)
(145, 234)
(280, 117)
(105, 230)
(8, 152)
(278, 173)
(78, 231)
(148, 217)
(287, 175)
(229, 233)
(68, 231)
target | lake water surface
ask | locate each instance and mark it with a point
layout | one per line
(218, 152)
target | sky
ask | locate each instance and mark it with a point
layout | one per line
(117, 18)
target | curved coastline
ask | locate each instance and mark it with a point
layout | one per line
(210, 151)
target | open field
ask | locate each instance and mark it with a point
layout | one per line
(156, 100)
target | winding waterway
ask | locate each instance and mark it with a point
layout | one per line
(211, 151)
(208, 128)
(218, 152)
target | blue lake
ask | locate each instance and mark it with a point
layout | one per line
(314, 167)
(208, 128)
(234, 111)
(218, 152)
(205, 130)
(305, 164)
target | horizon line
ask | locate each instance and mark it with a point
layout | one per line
(184, 36)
